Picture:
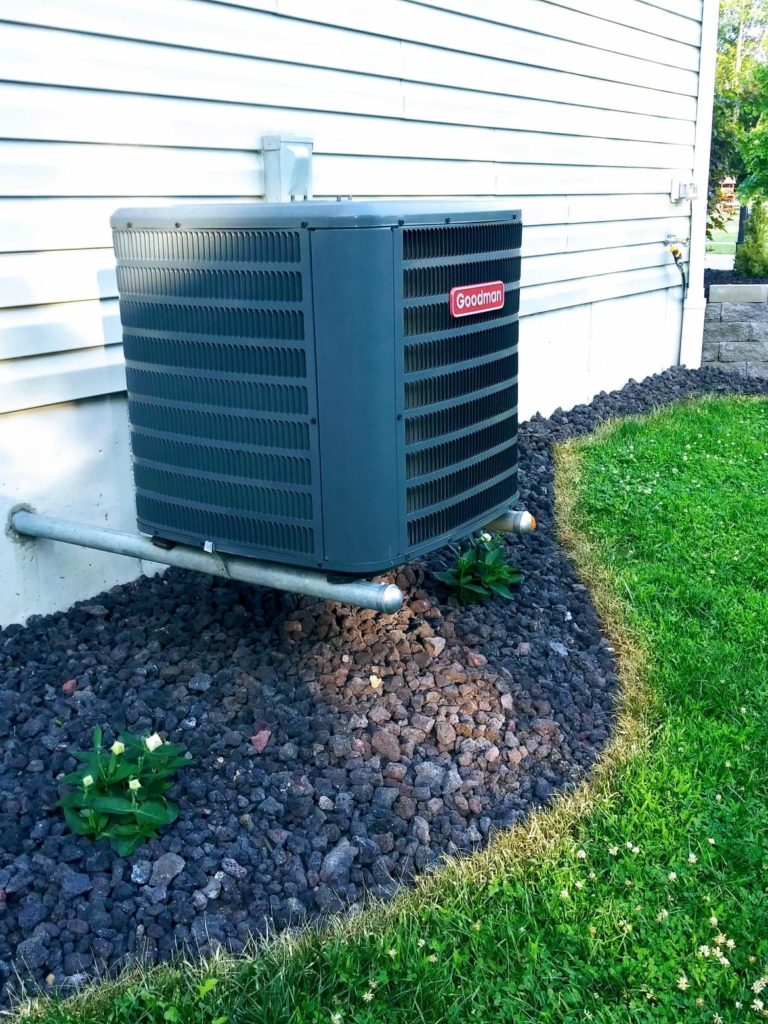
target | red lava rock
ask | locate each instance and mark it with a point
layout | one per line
(291, 626)
(385, 744)
(446, 734)
(69, 687)
(476, 660)
(261, 739)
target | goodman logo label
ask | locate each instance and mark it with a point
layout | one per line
(467, 299)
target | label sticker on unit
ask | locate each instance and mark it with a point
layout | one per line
(467, 299)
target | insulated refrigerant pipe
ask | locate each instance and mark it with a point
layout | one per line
(382, 597)
(513, 522)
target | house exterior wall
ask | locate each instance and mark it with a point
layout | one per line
(579, 112)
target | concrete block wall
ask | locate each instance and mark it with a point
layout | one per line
(736, 330)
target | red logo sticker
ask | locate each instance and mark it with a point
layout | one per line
(467, 299)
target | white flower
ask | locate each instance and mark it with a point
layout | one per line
(723, 960)
(730, 944)
(672, 876)
(579, 883)
(713, 921)
(692, 858)
(564, 894)
(117, 748)
(421, 943)
(635, 849)
(613, 850)
(336, 1018)
(134, 784)
(758, 986)
(717, 1019)
(720, 939)
(486, 537)
(153, 742)
(757, 1005)
(581, 854)
(368, 996)
(432, 958)
(704, 950)
(682, 983)
(719, 797)
(392, 953)
(87, 781)
(662, 915)
(711, 841)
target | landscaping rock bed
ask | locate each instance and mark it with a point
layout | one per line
(336, 751)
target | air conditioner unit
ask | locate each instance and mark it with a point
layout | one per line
(330, 385)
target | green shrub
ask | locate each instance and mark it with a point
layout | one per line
(480, 570)
(752, 255)
(119, 794)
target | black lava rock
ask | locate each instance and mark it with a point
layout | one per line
(336, 751)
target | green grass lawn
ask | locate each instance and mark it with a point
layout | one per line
(644, 896)
(724, 241)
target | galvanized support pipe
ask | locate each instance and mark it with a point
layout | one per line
(513, 522)
(362, 593)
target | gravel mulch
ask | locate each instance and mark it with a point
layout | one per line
(712, 276)
(312, 784)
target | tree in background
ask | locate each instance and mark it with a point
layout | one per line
(740, 98)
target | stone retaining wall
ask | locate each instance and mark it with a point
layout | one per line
(736, 329)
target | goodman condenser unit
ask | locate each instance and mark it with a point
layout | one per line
(330, 385)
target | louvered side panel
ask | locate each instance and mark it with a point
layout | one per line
(218, 340)
(459, 380)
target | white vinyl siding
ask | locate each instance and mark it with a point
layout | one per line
(580, 112)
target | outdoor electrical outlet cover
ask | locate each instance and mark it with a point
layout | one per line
(287, 167)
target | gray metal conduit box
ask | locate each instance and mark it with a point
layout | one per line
(331, 385)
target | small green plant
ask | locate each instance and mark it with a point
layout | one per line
(481, 570)
(119, 794)
(751, 258)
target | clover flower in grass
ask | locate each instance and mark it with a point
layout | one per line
(682, 983)
(368, 996)
(713, 921)
(712, 841)
(432, 958)
(757, 1005)
(421, 943)
(759, 985)
(692, 858)
(153, 742)
(662, 915)
(717, 1019)
(613, 850)
(700, 1002)
(475, 926)
(581, 854)
(392, 953)
(672, 876)
(580, 883)
(730, 944)
(704, 950)
(336, 1018)
(87, 781)
(564, 894)
(720, 939)
(117, 748)
(134, 785)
